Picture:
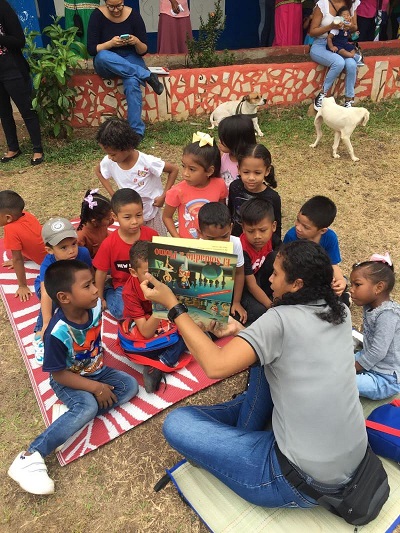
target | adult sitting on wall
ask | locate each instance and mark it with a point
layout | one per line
(322, 23)
(117, 39)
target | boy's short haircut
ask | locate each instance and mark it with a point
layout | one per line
(11, 202)
(138, 254)
(255, 210)
(214, 214)
(60, 276)
(124, 197)
(320, 210)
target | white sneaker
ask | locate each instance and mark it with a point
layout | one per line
(30, 472)
(38, 349)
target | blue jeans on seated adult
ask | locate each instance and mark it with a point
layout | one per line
(229, 441)
(115, 304)
(336, 64)
(133, 71)
(83, 407)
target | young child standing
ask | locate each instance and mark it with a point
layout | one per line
(133, 169)
(259, 224)
(23, 236)
(61, 242)
(96, 217)
(201, 164)
(257, 180)
(138, 308)
(235, 133)
(113, 254)
(74, 357)
(215, 225)
(378, 363)
(312, 224)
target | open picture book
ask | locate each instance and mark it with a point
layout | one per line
(200, 273)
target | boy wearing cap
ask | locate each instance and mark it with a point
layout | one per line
(61, 242)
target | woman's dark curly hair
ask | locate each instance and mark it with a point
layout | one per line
(308, 261)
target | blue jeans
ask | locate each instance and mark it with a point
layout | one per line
(336, 64)
(170, 355)
(39, 321)
(376, 386)
(83, 407)
(115, 304)
(229, 441)
(133, 71)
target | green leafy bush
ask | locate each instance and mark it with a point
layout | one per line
(52, 68)
(202, 51)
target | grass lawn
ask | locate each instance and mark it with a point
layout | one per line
(111, 489)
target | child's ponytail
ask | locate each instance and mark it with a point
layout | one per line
(270, 179)
(94, 206)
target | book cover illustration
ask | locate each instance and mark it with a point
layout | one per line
(201, 279)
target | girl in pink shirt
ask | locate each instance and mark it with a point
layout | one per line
(235, 133)
(201, 163)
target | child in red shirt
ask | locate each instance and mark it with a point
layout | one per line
(113, 254)
(23, 236)
(259, 224)
(138, 308)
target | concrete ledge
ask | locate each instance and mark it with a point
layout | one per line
(195, 92)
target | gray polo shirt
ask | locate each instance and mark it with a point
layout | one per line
(317, 419)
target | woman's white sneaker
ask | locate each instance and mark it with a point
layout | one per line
(30, 472)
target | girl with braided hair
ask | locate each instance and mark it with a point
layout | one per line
(302, 379)
(96, 217)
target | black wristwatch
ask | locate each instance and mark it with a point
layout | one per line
(175, 311)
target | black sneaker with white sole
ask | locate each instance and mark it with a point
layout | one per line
(318, 101)
(348, 103)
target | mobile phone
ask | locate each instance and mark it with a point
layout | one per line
(124, 36)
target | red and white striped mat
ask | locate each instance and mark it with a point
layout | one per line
(102, 429)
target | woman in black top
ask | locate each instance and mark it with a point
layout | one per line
(15, 83)
(117, 39)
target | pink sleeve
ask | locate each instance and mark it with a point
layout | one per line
(172, 197)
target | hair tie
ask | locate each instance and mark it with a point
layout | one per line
(203, 139)
(89, 199)
(382, 258)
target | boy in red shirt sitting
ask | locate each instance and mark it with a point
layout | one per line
(138, 308)
(23, 236)
(113, 254)
(258, 221)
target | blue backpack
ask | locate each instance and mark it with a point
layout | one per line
(383, 428)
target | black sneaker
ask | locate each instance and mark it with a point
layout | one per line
(155, 84)
(152, 378)
(318, 101)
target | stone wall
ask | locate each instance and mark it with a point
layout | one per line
(195, 92)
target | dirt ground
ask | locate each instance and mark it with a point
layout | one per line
(111, 489)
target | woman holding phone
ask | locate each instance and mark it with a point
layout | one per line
(117, 39)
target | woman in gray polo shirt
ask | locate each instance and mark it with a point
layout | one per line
(304, 346)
